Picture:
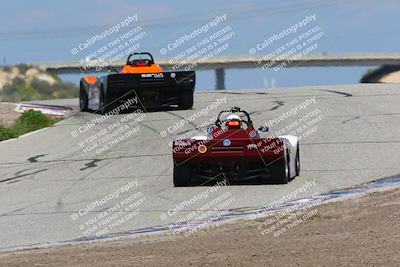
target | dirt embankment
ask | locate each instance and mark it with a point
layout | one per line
(358, 232)
(25, 83)
(26, 73)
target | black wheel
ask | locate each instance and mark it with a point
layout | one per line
(186, 100)
(83, 100)
(182, 175)
(280, 170)
(298, 161)
(104, 106)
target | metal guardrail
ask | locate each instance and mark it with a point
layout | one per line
(220, 64)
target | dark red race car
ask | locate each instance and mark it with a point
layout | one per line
(235, 151)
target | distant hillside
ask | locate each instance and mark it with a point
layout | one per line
(25, 83)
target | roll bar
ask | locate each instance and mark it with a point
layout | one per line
(141, 53)
(234, 110)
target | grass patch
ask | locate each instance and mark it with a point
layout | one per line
(29, 121)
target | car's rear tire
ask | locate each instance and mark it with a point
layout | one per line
(83, 100)
(280, 170)
(186, 100)
(182, 175)
(297, 161)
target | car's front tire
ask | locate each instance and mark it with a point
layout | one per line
(297, 161)
(83, 100)
(182, 175)
(104, 106)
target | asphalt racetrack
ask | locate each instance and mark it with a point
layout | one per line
(49, 182)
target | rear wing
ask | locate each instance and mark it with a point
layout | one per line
(182, 79)
(227, 149)
(151, 90)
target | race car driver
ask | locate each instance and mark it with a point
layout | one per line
(234, 122)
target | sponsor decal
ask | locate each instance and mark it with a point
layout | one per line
(226, 142)
(202, 149)
(152, 75)
(251, 146)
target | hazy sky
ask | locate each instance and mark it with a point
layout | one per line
(47, 30)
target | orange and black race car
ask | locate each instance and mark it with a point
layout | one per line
(141, 83)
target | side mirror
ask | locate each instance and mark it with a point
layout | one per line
(263, 129)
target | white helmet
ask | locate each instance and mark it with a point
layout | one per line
(233, 117)
(233, 121)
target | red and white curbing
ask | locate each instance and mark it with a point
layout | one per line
(50, 110)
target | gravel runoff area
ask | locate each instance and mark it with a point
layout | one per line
(363, 231)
